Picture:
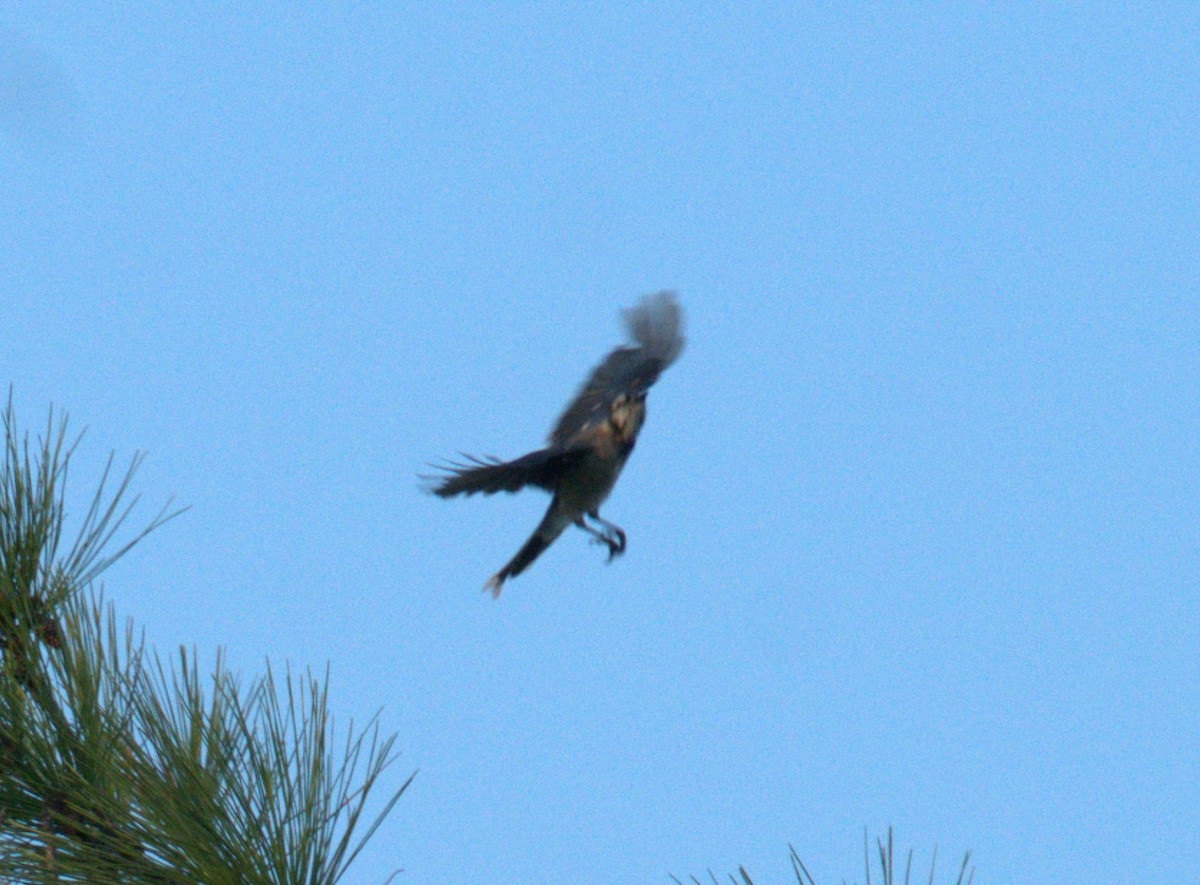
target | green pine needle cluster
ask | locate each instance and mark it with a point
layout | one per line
(887, 866)
(117, 766)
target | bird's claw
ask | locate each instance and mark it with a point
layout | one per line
(616, 546)
(615, 543)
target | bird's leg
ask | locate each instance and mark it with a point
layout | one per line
(615, 537)
(615, 545)
(598, 537)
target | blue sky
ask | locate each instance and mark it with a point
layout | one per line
(913, 523)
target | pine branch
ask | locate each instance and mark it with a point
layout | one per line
(118, 767)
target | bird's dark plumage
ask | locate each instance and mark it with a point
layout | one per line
(655, 326)
(491, 475)
(588, 444)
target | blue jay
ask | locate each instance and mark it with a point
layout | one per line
(590, 441)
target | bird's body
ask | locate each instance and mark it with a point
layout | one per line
(590, 442)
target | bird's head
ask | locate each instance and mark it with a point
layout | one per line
(626, 415)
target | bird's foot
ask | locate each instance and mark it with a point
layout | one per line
(616, 544)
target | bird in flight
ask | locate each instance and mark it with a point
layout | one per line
(590, 441)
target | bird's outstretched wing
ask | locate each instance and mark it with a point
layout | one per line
(655, 327)
(541, 468)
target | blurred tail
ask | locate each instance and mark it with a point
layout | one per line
(551, 526)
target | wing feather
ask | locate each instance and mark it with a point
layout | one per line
(655, 328)
(490, 475)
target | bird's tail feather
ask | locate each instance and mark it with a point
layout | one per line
(551, 526)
